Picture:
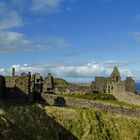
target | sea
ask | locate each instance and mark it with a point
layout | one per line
(137, 87)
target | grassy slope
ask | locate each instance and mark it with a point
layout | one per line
(52, 123)
(92, 125)
(103, 98)
(91, 96)
(61, 82)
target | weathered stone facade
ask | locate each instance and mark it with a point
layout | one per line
(26, 87)
(23, 83)
(48, 86)
(36, 83)
(113, 83)
(99, 85)
(121, 90)
(130, 85)
(18, 88)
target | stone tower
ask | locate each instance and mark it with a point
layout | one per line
(115, 75)
(13, 72)
(38, 83)
(130, 84)
(48, 86)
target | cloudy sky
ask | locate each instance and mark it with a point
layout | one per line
(72, 39)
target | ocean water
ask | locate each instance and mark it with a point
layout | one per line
(137, 87)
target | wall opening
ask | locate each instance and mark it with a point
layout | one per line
(117, 78)
(108, 89)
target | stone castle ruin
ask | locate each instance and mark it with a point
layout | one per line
(26, 87)
(122, 90)
(113, 84)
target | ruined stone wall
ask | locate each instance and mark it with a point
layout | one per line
(120, 93)
(127, 97)
(93, 85)
(37, 83)
(64, 87)
(10, 81)
(18, 88)
(119, 87)
(23, 83)
(80, 88)
(113, 83)
(84, 103)
(115, 75)
(99, 84)
(48, 85)
(73, 89)
(118, 90)
(63, 90)
(130, 84)
(115, 87)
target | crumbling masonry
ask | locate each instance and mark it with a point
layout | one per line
(113, 84)
(122, 90)
(26, 87)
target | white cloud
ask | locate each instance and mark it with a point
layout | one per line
(11, 20)
(80, 71)
(52, 5)
(25, 68)
(110, 63)
(45, 4)
(74, 73)
(14, 41)
(48, 6)
(11, 41)
(21, 4)
(3, 71)
(129, 74)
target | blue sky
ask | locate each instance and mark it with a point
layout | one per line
(72, 39)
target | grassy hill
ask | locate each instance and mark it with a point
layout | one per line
(37, 122)
(61, 82)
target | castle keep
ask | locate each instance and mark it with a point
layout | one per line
(113, 84)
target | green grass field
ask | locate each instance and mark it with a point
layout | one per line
(92, 96)
(38, 122)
